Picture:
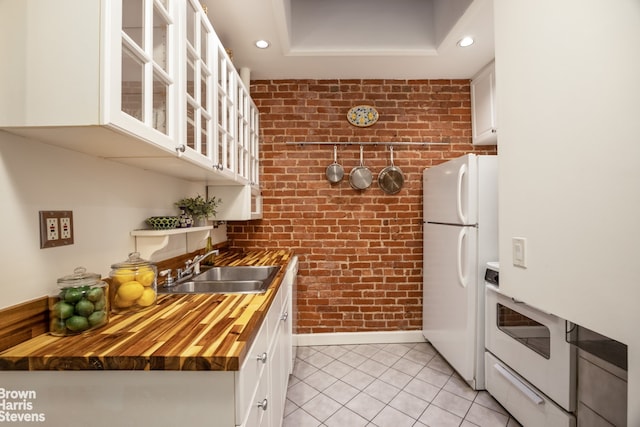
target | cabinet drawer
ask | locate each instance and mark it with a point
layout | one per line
(248, 377)
(526, 403)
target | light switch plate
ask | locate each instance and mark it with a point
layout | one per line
(56, 228)
(519, 246)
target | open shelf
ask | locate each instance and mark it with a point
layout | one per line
(148, 242)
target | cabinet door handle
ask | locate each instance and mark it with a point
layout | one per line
(285, 316)
(263, 404)
(262, 357)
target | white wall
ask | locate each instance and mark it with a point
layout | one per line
(108, 200)
(568, 90)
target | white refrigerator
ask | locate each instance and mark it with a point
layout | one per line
(460, 236)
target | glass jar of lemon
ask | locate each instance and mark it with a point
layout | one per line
(134, 284)
(80, 305)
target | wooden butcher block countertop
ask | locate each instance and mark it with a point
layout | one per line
(209, 332)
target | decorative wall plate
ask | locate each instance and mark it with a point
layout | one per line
(362, 116)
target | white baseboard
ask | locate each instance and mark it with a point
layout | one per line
(342, 338)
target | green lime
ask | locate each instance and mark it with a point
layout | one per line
(100, 304)
(84, 307)
(95, 294)
(62, 310)
(77, 323)
(73, 295)
(98, 318)
(57, 326)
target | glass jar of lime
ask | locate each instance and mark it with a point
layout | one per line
(134, 284)
(81, 305)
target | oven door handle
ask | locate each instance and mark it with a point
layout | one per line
(530, 394)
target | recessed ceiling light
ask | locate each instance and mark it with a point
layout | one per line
(262, 44)
(466, 41)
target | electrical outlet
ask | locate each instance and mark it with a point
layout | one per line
(65, 228)
(52, 229)
(56, 228)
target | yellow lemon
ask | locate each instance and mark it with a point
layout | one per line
(120, 303)
(145, 276)
(147, 298)
(123, 275)
(130, 291)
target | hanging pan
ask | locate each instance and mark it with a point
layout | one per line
(335, 171)
(391, 178)
(360, 177)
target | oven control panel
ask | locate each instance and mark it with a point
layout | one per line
(492, 273)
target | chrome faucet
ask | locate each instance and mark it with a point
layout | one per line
(193, 266)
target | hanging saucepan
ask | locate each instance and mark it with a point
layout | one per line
(335, 171)
(360, 177)
(391, 178)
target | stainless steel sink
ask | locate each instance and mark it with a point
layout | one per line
(226, 280)
(238, 273)
(217, 287)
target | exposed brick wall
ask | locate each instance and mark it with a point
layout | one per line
(360, 251)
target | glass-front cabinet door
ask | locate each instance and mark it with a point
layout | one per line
(226, 118)
(198, 135)
(254, 151)
(148, 74)
(242, 132)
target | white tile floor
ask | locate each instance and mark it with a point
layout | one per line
(384, 385)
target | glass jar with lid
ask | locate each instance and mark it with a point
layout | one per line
(81, 305)
(134, 284)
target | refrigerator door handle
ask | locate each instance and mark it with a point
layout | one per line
(461, 258)
(461, 173)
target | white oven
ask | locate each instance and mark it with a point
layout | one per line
(529, 367)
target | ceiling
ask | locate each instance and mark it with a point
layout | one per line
(346, 39)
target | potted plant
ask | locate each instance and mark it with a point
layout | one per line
(198, 208)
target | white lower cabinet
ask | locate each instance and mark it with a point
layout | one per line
(249, 387)
(261, 383)
(280, 362)
(258, 415)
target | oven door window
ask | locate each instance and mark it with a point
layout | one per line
(525, 330)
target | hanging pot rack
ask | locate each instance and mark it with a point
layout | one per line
(392, 188)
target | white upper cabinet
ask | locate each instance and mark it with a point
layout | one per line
(483, 107)
(239, 202)
(142, 82)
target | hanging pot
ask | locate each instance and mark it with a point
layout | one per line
(391, 178)
(360, 177)
(335, 171)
